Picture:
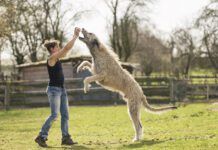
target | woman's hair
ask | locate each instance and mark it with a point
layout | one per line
(48, 44)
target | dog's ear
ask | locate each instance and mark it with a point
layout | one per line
(95, 42)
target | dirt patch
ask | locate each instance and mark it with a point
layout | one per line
(214, 109)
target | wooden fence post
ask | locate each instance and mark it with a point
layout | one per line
(7, 97)
(208, 92)
(171, 86)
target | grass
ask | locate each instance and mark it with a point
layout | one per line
(108, 127)
(198, 71)
(192, 72)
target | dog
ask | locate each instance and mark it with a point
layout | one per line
(107, 72)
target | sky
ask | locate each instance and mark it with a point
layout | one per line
(165, 15)
(169, 14)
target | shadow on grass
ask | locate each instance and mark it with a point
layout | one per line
(142, 143)
(80, 147)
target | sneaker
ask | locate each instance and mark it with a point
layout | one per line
(66, 140)
(41, 141)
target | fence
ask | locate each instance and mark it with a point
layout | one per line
(202, 88)
(4, 95)
(157, 89)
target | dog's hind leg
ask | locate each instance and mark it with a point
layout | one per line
(134, 113)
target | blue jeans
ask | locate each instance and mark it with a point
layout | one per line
(58, 102)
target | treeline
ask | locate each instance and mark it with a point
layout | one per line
(25, 24)
(185, 49)
(197, 43)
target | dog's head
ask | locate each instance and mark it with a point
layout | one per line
(90, 39)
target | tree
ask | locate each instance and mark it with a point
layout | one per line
(5, 9)
(151, 53)
(9, 17)
(171, 46)
(33, 23)
(210, 43)
(185, 46)
(129, 36)
(124, 34)
(207, 22)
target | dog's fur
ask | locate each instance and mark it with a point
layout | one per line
(107, 71)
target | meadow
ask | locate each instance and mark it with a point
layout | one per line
(190, 127)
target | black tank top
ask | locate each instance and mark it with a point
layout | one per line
(56, 76)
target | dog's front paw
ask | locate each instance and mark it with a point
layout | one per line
(79, 69)
(87, 88)
(82, 68)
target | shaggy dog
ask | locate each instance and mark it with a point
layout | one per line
(107, 72)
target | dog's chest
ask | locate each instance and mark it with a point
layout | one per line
(98, 67)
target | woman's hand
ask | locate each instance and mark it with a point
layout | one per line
(76, 32)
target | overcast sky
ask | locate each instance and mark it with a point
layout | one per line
(168, 14)
(165, 15)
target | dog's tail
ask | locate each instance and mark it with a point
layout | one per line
(153, 110)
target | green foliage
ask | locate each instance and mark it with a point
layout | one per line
(191, 127)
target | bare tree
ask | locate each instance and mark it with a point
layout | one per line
(208, 23)
(210, 43)
(129, 35)
(124, 35)
(151, 53)
(6, 9)
(11, 32)
(4, 30)
(34, 22)
(185, 45)
(114, 37)
(171, 46)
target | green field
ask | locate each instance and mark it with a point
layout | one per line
(108, 127)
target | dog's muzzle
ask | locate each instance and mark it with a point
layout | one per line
(84, 32)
